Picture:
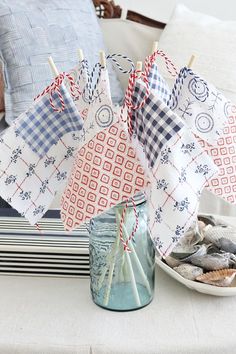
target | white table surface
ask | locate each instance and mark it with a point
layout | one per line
(57, 315)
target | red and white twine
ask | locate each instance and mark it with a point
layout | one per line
(55, 87)
(122, 224)
(128, 102)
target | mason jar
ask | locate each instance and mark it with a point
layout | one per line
(121, 272)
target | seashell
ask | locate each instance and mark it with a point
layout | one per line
(201, 225)
(207, 219)
(186, 253)
(214, 233)
(214, 261)
(226, 245)
(200, 250)
(188, 271)
(172, 262)
(223, 277)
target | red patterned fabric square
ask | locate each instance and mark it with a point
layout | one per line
(112, 176)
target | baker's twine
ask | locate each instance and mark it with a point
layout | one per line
(55, 87)
(92, 85)
(131, 237)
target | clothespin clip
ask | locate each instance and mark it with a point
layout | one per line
(191, 60)
(102, 56)
(53, 67)
(139, 67)
(154, 47)
(80, 54)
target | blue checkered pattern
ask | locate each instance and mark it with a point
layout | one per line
(154, 124)
(160, 88)
(158, 84)
(41, 126)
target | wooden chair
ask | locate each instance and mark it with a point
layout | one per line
(108, 9)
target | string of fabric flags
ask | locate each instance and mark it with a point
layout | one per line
(168, 143)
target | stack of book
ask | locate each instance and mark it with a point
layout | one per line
(46, 250)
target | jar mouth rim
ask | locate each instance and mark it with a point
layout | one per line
(139, 198)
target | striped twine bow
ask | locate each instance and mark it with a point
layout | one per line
(149, 61)
(118, 55)
(55, 88)
(98, 67)
(92, 87)
(135, 228)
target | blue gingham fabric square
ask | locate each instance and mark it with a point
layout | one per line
(41, 126)
(154, 124)
(158, 84)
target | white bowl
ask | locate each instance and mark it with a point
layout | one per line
(194, 285)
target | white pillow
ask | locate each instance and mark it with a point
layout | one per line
(130, 38)
(211, 40)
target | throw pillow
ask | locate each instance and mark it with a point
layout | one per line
(31, 31)
(211, 40)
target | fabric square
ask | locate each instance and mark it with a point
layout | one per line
(99, 113)
(27, 182)
(80, 77)
(204, 109)
(224, 156)
(158, 84)
(41, 126)
(180, 173)
(131, 182)
(154, 125)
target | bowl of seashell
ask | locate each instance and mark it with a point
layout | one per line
(205, 258)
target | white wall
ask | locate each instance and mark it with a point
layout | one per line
(161, 9)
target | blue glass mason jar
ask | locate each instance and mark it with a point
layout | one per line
(122, 280)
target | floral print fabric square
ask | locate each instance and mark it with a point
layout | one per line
(177, 179)
(27, 182)
(200, 105)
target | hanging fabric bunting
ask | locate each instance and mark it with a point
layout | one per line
(210, 115)
(80, 75)
(154, 123)
(178, 167)
(50, 117)
(200, 105)
(178, 176)
(106, 172)
(99, 112)
(27, 182)
(158, 84)
(224, 156)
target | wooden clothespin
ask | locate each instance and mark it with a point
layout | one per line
(102, 56)
(139, 67)
(53, 67)
(154, 47)
(80, 54)
(191, 60)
